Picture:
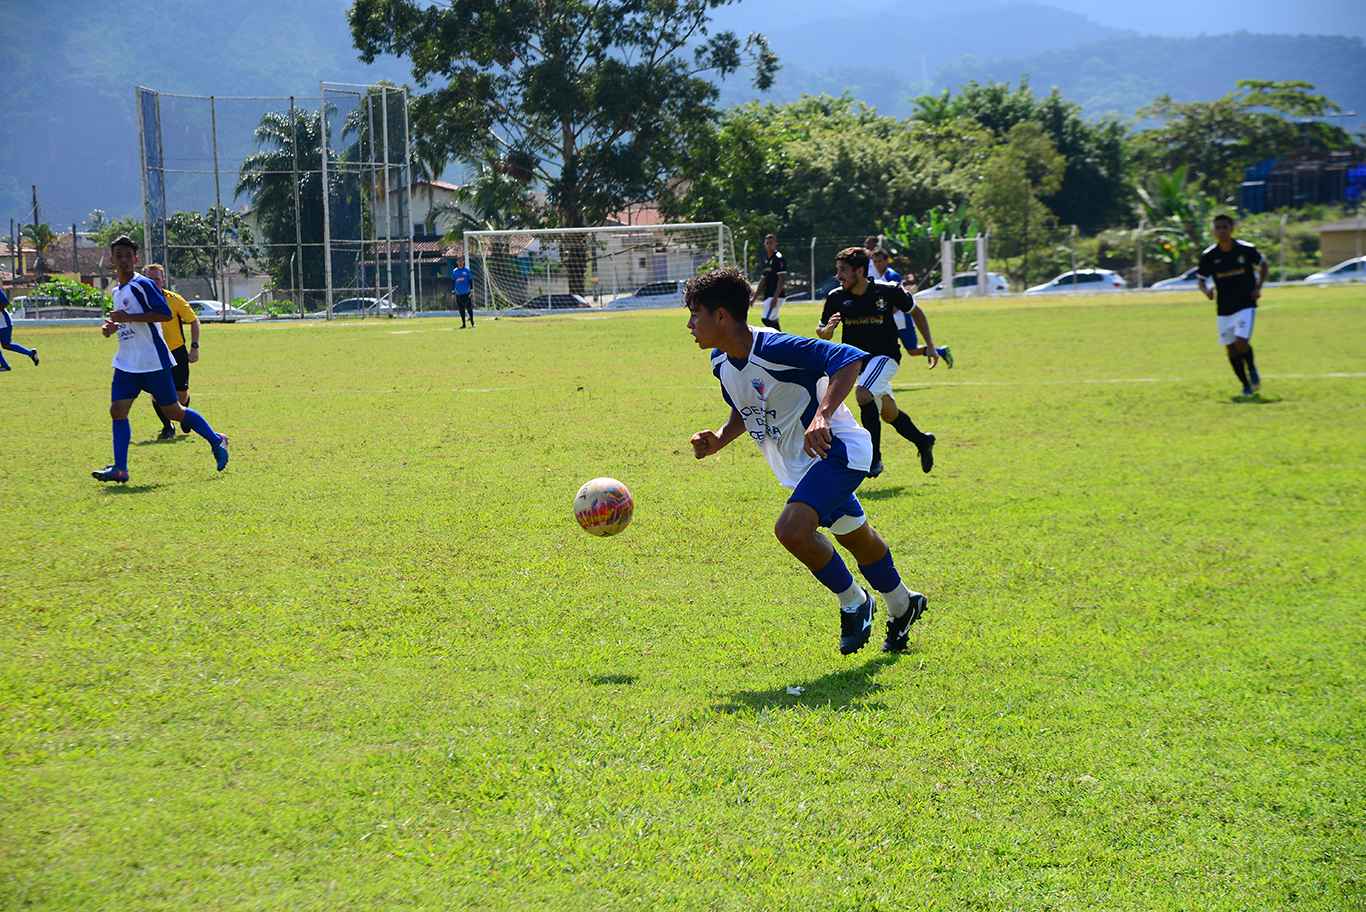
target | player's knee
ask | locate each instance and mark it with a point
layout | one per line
(793, 530)
(890, 410)
(174, 411)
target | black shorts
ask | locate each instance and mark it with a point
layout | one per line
(464, 302)
(181, 371)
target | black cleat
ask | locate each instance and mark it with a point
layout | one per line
(34, 356)
(926, 453)
(875, 469)
(856, 624)
(898, 629)
(109, 473)
(167, 433)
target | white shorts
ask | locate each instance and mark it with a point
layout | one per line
(771, 307)
(1237, 325)
(877, 377)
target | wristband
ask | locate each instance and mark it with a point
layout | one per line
(194, 345)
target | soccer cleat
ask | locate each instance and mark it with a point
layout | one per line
(167, 433)
(220, 452)
(34, 356)
(947, 354)
(898, 629)
(875, 469)
(5, 367)
(1255, 379)
(110, 473)
(1247, 391)
(926, 453)
(856, 625)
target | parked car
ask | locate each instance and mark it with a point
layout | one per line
(29, 305)
(1353, 270)
(1185, 280)
(363, 307)
(655, 294)
(965, 284)
(1083, 281)
(217, 310)
(823, 288)
(561, 301)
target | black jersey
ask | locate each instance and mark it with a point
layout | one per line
(773, 267)
(868, 320)
(1234, 275)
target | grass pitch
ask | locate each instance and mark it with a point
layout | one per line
(375, 664)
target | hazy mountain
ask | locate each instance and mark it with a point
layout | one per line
(68, 124)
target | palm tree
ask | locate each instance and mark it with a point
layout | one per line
(1178, 211)
(428, 162)
(42, 237)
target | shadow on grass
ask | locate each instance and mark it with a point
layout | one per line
(839, 690)
(1254, 399)
(131, 488)
(157, 442)
(880, 493)
(612, 679)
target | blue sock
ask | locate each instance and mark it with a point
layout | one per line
(123, 433)
(200, 426)
(835, 576)
(939, 350)
(3, 364)
(20, 350)
(882, 575)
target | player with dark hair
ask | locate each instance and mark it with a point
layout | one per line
(143, 362)
(772, 283)
(462, 283)
(866, 311)
(1239, 270)
(787, 392)
(7, 336)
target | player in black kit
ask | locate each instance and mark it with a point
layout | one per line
(1238, 270)
(866, 311)
(772, 284)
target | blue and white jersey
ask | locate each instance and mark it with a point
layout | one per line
(142, 348)
(777, 391)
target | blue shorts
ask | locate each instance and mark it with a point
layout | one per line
(159, 383)
(828, 488)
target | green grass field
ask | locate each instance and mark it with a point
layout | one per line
(376, 665)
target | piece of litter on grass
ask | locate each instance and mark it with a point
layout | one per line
(795, 690)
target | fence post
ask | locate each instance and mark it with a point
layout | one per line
(813, 267)
(946, 266)
(982, 288)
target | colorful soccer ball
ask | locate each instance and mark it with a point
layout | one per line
(603, 506)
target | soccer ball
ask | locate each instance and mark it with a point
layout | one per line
(603, 506)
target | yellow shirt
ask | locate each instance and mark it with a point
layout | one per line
(173, 331)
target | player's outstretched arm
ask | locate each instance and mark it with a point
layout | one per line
(705, 443)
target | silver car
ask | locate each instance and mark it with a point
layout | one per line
(965, 285)
(1083, 281)
(655, 294)
(218, 311)
(1353, 270)
(1186, 280)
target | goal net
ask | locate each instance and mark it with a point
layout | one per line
(618, 266)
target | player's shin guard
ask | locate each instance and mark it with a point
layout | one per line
(201, 427)
(123, 434)
(872, 423)
(836, 577)
(165, 422)
(906, 428)
(882, 576)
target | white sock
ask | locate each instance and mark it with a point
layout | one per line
(898, 600)
(852, 597)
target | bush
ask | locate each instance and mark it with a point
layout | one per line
(74, 294)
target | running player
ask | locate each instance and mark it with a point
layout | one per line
(1238, 270)
(7, 336)
(174, 332)
(772, 284)
(866, 311)
(881, 271)
(787, 392)
(143, 362)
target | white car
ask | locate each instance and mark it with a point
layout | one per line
(1353, 270)
(1186, 280)
(1083, 281)
(363, 307)
(655, 294)
(217, 310)
(965, 285)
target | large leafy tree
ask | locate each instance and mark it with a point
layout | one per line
(1095, 189)
(42, 237)
(206, 244)
(594, 98)
(1016, 178)
(1217, 139)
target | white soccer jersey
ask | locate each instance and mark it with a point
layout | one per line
(142, 348)
(777, 391)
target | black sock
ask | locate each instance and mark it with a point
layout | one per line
(1236, 359)
(1247, 359)
(906, 428)
(872, 422)
(771, 324)
(165, 422)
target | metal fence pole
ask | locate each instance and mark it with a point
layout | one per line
(414, 274)
(388, 221)
(327, 211)
(813, 267)
(218, 211)
(296, 275)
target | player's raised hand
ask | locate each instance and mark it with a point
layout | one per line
(817, 441)
(704, 443)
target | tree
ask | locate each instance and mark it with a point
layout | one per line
(42, 236)
(113, 228)
(1218, 139)
(598, 99)
(207, 244)
(1017, 175)
(1095, 189)
(1178, 214)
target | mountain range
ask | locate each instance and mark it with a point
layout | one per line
(68, 121)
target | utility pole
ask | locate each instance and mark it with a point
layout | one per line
(75, 254)
(36, 219)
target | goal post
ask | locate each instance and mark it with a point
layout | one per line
(612, 266)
